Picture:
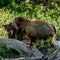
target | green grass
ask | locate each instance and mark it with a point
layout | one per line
(44, 45)
(7, 52)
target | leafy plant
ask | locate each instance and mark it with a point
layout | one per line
(6, 51)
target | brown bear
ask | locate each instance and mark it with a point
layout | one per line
(35, 30)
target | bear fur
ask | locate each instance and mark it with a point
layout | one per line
(34, 30)
(11, 29)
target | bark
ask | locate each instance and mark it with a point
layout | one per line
(32, 54)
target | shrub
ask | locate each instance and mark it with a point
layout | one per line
(5, 2)
(6, 51)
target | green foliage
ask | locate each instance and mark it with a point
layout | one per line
(19, 1)
(44, 45)
(49, 3)
(6, 51)
(5, 2)
(50, 50)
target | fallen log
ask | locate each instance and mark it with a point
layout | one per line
(57, 58)
(57, 43)
(36, 54)
(1, 58)
(18, 46)
(51, 57)
(23, 58)
(54, 54)
(15, 44)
